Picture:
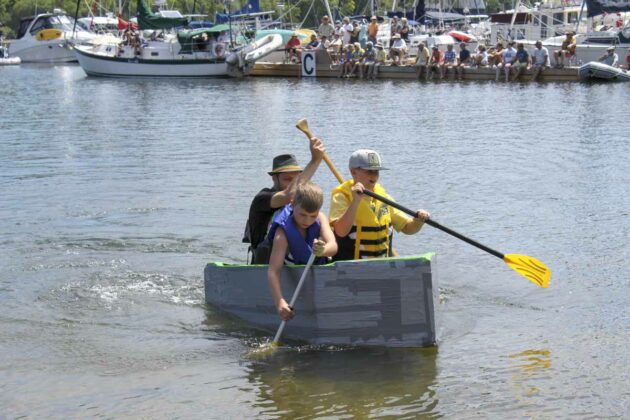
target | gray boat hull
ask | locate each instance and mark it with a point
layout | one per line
(381, 302)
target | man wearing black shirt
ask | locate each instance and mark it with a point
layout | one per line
(286, 174)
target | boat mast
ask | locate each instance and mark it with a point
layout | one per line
(332, 19)
(514, 13)
(577, 24)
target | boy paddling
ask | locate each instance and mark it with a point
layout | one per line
(363, 225)
(298, 231)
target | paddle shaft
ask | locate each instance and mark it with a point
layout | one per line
(295, 295)
(435, 224)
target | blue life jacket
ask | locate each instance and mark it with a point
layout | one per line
(299, 249)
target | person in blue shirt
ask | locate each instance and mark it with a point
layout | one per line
(296, 232)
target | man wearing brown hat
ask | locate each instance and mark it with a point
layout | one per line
(326, 28)
(286, 174)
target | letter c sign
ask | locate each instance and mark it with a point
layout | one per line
(308, 64)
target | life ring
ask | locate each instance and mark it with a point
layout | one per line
(48, 34)
(219, 50)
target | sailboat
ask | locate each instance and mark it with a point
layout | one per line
(204, 52)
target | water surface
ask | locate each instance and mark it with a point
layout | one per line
(116, 193)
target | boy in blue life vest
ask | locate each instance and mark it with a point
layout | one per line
(296, 232)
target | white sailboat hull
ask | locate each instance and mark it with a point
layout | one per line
(97, 64)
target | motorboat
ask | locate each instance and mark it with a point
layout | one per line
(388, 302)
(187, 53)
(47, 38)
(596, 71)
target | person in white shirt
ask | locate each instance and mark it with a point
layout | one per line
(507, 59)
(398, 50)
(346, 31)
(422, 60)
(540, 58)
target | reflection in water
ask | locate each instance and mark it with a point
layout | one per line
(532, 366)
(297, 383)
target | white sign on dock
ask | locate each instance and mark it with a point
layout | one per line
(309, 64)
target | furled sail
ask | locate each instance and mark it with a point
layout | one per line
(149, 20)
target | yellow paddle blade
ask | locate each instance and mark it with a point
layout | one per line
(530, 268)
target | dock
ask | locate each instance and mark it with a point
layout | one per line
(325, 68)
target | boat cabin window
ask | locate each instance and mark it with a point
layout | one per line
(41, 23)
(24, 23)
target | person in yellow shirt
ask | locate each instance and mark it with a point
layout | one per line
(364, 226)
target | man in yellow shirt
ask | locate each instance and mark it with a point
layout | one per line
(364, 226)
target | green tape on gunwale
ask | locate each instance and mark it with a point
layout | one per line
(427, 257)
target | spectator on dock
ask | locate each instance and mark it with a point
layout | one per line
(610, 58)
(326, 28)
(449, 60)
(367, 61)
(348, 58)
(356, 30)
(434, 62)
(462, 60)
(422, 60)
(372, 30)
(522, 61)
(507, 60)
(313, 44)
(628, 60)
(336, 48)
(567, 50)
(381, 59)
(404, 30)
(495, 55)
(481, 59)
(324, 43)
(346, 31)
(292, 48)
(540, 58)
(394, 28)
(398, 51)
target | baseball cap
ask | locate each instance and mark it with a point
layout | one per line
(366, 159)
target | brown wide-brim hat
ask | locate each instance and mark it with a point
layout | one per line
(285, 163)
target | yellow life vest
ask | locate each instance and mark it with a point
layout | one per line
(371, 233)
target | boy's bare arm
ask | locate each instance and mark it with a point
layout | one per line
(327, 238)
(276, 262)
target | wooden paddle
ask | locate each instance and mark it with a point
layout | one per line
(529, 267)
(309, 263)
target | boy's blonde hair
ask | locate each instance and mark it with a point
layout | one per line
(309, 196)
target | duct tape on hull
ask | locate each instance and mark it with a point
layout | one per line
(385, 302)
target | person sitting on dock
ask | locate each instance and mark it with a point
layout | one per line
(367, 61)
(506, 61)
(449, 60)
(434, 62)
(336, 48)
(286, 175)
(347, 62)
(522, 61)
(462, 60)
(313, 44)
(567, 50)
(481, 59)
(296, 232)
(610, 58)
(422, 60)
(363, 225)
(397, 51)
(381, 59)
(495, 55)
(292, 48)
(540, 58)
(324, 43)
